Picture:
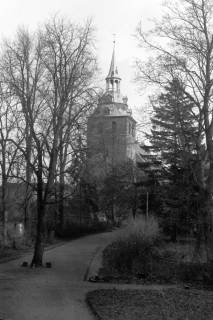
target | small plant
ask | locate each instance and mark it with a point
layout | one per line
(142, 228)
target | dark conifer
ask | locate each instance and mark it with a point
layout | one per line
(173, 139)
(173, 128)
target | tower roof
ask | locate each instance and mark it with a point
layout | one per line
(113, 70)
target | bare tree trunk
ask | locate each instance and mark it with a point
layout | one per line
(27, 213)
(61, 201)
(209, 184)
(4, 224)
(3, 197)
(61, 181)
(208, 232)
(37, 260)
(134, 205)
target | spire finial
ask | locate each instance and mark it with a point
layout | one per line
(114, 39)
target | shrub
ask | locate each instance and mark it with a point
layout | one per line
(196, 273)
(142, 228)
(134, 250)
(139, 253)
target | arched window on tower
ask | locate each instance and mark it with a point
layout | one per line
(114, 127)
(129, 128)
(111, 85)
(116, 85)
(133, 130)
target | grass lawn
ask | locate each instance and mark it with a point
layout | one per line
(168, 304)
(10, 253)
(7, 254)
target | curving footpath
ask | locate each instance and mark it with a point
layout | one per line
(52, 294)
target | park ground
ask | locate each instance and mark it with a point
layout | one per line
(63, 292)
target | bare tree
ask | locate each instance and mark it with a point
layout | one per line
(50, 76)
(70, 63)
(21, 74)
(183, 48)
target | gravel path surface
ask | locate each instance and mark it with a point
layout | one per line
(51, 294)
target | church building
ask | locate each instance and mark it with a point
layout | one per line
(111, 129)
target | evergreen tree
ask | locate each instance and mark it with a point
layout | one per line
(174, 131)
(173, 138)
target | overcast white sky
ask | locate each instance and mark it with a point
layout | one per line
(110, 16)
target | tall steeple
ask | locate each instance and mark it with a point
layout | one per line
(113, 80)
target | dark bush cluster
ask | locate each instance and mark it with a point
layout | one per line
(140, 253)
(139, 258)
(200, 273)
(122, 255)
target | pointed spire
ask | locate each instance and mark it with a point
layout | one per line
(112, 70)
(113, 80)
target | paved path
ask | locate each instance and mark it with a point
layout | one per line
(51, 294)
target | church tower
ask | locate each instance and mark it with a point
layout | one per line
(111, 128)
